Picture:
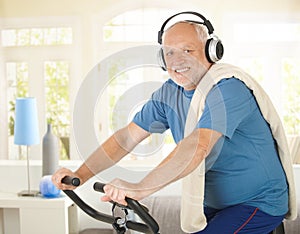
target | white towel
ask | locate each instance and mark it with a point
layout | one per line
(192, 215)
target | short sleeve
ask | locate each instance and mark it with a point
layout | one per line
(152, 116)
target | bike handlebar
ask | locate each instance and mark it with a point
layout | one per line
(139, 209)
(71, 181)
(150, 225)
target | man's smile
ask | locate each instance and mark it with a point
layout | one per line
(181, 70)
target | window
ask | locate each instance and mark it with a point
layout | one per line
(139, 27)
(265, 47)
(38, 62)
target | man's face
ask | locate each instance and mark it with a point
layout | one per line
(184, 55)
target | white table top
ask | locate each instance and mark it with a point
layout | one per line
(12, 200)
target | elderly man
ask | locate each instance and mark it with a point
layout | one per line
(245, 185)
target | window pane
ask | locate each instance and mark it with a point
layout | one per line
(23, 38)
(133, 17)
(275, 32)
(9, 37)
(17, 79)
(291, 81)
(135, 26)
(37, 36)
(64, 36)
(50, 36)
(57, 101)
(133, 33)
(114, 33)
(253, 66)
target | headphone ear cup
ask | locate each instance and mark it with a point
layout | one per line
(219, 50)
(207, 50)
(161, 59)
(214, 50)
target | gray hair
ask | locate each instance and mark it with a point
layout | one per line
(200, 29)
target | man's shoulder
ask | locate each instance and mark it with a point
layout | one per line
(231, 84)
(230, 81)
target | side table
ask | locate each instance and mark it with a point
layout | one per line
(36, 215)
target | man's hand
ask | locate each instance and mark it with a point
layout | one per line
(59, 175)
(118, 189)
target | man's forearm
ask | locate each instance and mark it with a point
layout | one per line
(97, 162)
(185, 158)
(105, 156)
(111, 151)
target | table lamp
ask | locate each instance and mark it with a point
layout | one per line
(26, 131)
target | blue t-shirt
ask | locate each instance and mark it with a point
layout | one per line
(243, 167)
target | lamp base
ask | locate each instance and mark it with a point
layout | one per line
(27, 193)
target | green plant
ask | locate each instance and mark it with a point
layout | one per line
(11, 119)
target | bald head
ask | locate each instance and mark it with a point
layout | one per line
(187, 28)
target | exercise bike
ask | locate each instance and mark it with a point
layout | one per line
(120, 224)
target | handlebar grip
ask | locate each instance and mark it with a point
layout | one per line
(71, 181)
(99, 187)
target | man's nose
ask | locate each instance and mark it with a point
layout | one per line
(176, 58)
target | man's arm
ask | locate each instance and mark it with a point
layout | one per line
(106, 155)
(185, 158)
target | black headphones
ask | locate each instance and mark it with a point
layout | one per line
(214, 49)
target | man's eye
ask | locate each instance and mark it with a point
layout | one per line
(187, 51)
(169, 53)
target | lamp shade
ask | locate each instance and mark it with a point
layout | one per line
(26, 122)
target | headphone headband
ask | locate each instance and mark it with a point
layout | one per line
(205, 22)
(213, 47)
